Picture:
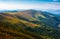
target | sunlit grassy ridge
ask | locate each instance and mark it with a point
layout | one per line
(27, 25)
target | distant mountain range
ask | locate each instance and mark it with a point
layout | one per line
(30, 24)
(9, 10)
(54, 11)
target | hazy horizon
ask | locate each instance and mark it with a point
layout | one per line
(44, 5)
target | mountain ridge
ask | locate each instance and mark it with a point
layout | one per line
(34, 24)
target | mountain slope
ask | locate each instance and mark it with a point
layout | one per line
(29, 24)
(33, 15)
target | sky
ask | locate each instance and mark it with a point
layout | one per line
(45, 5)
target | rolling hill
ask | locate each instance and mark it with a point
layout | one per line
(29, 24)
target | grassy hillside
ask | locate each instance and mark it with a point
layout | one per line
(29, 24)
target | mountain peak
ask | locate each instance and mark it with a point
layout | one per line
(30, 10)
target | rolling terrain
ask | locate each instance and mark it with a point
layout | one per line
(29, 24)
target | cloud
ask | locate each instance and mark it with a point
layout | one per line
(46, 6)
(34, 5)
